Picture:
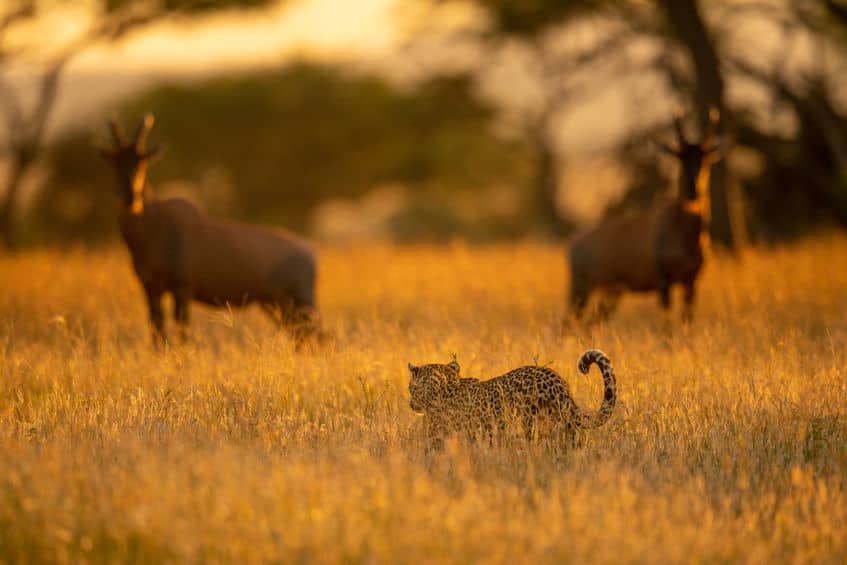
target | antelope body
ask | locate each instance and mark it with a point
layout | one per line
(176, 248)
(655, 249)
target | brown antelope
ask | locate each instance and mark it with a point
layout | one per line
(176, 248)
(655, 249)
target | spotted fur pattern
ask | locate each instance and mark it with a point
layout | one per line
(536, 399)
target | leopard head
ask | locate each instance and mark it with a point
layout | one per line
(429, 384)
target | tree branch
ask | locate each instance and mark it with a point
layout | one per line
(837, 10)
(26, 10)
(814, 106)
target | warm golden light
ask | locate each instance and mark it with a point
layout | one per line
(319, 28)
(727, 440)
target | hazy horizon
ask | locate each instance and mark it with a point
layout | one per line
(374, 36)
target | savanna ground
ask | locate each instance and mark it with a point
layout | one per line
(728, 442)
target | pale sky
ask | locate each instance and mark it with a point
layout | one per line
(315, 29)
(364, 32)
(372, 34)
(318, 28)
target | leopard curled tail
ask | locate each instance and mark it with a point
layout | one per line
(597, 357)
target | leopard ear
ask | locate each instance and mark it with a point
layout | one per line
(454, 365)
(412, 368)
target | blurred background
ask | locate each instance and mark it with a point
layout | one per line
(409, 120)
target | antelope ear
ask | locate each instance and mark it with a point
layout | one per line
(108, 154)
(715, 150)
(666, 149)
(454, 365)
(155, 153)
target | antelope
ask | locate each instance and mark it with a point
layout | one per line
(176, 248)
(657, 248)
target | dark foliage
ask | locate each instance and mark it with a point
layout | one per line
(289, 139)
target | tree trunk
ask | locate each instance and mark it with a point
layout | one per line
(8, 207)
(687, 24)
(547, 186)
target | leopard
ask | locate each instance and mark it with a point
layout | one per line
(533, 399)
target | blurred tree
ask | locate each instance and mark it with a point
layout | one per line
(287, 140)
(676, 20)
(527, 22)
(803, 179)
(24, 46)
(689, 29)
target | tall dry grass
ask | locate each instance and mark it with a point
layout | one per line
(728, 442)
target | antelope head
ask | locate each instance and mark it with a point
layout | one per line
(130, 158)
(696, 157)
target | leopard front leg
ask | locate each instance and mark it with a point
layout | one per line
(495, 421)
(434, 432)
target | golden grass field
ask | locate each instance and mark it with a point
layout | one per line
(728, 443)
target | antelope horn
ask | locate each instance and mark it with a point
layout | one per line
(714, 118)
(117, 131)
(677, 124)
(143, 130)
